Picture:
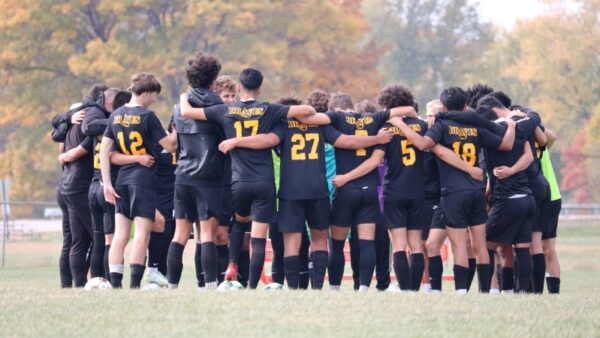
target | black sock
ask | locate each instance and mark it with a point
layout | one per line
(105, 262)
(277, 267)
(155, 249)
(336, 262)
(292, 271)
(97, 256)
(116, 280)
(472, 270)
(483, 277)
(507, 278)
(492, 255)
(257, 261)
(137, 272)
(417, 265)
(174, 263)
(222, 260)
(553, 284)
(436, 269)
(198, 265)
(402, 270)
(523, 267)
(367, 261)
(236, 240)
(461, 277)
(209, 261)
(538, 272)
(320, 260)
(244, 267)
(304, 262)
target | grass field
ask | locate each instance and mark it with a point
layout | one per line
(31, 304)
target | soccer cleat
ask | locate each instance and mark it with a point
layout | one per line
(231, 272)
(155, 277)
(274, 286)
(230, 286)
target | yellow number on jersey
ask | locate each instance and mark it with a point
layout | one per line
(361, 151)
(248, 124)
(467, 152)
(97, 156)
(137, 142)
(409, 156)
(538, 150)
(299, 144)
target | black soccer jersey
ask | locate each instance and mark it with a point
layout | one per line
(302, 168)
(114, 169)
(432, 176)
(404, 176)
(367, 124)
(247, 119)
(135, 131)
(165, 178)
(466, 141)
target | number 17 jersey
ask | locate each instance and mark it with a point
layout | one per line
(135, 131)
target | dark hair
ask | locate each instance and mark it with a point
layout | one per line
(454, 98)
(516, 107)
(490, 101)
(365, 106)
(319, 100)
(171, 124)
(144, 83)
(475, 92)
(395, 96)
(121, 99)
(486, 112)
(416, 106)
(502, 97)
(96, 90)
(251, 78)
(223, 83)
(340, 101)
(290, 100)
(202, 70)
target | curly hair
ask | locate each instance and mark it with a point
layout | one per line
(503, 98)
(225, 83)
(340, 101)
(395, 96)
(454, 98)
(202, 70)
(289, 100)
(319, 100)
(475, 92)
(365, 106)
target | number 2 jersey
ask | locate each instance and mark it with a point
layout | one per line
(302, 151)
(135, 131)
(404, 176)
(248, 118)
(467, 141)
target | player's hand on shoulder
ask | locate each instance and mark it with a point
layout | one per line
(339, 181)
(384, 135)
(476, 173)
(110, 195)
(430, 120)
(78, 117)
(146, 160)
(227, 145)
(61, 159)
(503, 172)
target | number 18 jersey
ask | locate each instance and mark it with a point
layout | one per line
(135, 131)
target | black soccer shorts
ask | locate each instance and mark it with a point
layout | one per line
(255, 199)
(408, 213)
(433, 216)
(551, 229)
(198, 203)
(511, 220)
(355, 206)
(136, 201)
(294, 214)
(541, 194)
(464, 208)
(103, 213)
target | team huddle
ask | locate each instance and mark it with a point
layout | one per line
(231, 171)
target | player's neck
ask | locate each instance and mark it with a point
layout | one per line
(135, 102)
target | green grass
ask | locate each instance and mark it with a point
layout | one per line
(31, 304)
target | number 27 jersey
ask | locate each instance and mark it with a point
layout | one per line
(135, 131)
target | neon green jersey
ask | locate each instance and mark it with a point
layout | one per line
(548, 172)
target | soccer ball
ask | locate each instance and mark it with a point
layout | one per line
(97, 283)
(274, 286)
(230, 286)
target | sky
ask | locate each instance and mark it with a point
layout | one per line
(506, 12)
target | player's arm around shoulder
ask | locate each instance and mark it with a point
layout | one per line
(188, 111)
(421, 142)
(363, 169)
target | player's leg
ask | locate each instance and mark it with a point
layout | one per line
(167, 238)
(382, 256)
(241, 193)
(263, 211)
(66, 279)
(96, 201)
(456, 207)
(222, 242)
(155, 250)
(208, 232)
(292, 242)
(478, 243)
(277, 244)
(366, 237)
(81, 236)
(434, 243)
(183, 229)
(399, 240)
(549, 246)
(353, 243)
(318, 213)
(109, 230)
(542, 200)
(336, 255)
(304, 260)
(141, 238)
(417, 261)
(507, 272)
(117, 249)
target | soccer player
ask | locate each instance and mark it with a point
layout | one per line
(75, 186)
(136, 131)
(463, 199)
(199, 177)
(93, 125)
(253, 186)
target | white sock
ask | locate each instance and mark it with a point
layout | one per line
(461, 292)
(116, 268)
(495, 291)
(427, 287)
(334, 287)
(172, 286)
(363, 288)
(211, 285)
